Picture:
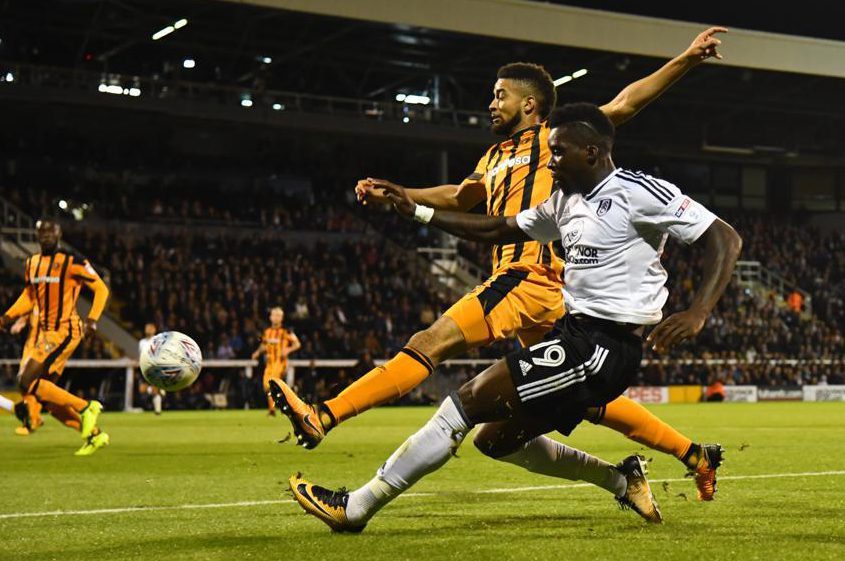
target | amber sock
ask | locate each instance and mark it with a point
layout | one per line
(639, 424)
(46, 390)
(382, 384)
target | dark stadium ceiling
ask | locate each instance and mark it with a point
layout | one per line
(230, 44)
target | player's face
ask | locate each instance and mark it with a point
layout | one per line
(570, 163)
(277, 317)
(48, 235)
(506, 109)
(149, 330)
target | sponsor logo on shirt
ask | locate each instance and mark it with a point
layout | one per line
(509, 163)
(573, 233)
(43, 279)
(578, 254)
(682, 208)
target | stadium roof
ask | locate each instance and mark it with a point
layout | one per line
(238, 45)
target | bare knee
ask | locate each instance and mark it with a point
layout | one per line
(439, 341)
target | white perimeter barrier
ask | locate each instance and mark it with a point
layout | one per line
(643, 394)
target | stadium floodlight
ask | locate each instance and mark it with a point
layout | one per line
(406, 120)
(278, 107)
(169, 29)
(579, 73)
(246, 102)
(189, 63)
(562, 80)
(400, 97)
(163, 32)
(63, 204)
(113, 89)
(417, 99)
(134, 92)
(10, 77)
(266, 60)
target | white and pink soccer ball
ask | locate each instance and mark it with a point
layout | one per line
(172, 361)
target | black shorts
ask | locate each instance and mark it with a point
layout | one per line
(582, 362)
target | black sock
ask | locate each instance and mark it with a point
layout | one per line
(692, 456)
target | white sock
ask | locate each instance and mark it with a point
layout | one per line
(157, 403)
(7, 404)
(424, 452)
(549, 457)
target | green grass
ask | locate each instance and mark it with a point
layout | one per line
(232, 456)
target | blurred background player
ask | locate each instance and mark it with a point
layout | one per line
(156, 394)
(277, 343)
(53, 280)
(522, 298)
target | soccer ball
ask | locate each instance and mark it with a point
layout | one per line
(171, 361)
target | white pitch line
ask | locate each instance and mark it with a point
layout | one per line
(407, 495)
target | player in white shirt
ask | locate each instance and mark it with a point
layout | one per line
(613, 224)
(156, 394)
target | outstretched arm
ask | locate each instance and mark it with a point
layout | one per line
(446, 197)
(721, 250)
(475, 227)
(637, 95)
(22, 306)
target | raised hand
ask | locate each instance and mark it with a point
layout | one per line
(705, 45)
(399, 198)
(371, 190)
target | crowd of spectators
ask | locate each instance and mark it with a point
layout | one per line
(362, 296)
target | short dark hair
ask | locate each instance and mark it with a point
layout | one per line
(594, 126)
(537, 79)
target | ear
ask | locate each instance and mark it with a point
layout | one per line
(593, 153)
(529, 105)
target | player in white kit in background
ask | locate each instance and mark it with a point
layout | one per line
(613, 224)
(156, 394)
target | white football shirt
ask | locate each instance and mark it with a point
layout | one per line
(613, 239)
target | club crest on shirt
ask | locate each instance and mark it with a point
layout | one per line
(604, 206)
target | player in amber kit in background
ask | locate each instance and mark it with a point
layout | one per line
(522, 298)
(276, 344)
(53, 280)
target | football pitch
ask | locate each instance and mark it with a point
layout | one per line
(213, 485)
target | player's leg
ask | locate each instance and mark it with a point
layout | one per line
(628, 417)
(49, 359)
(520, 441)
(268, 375)
(489, 398)
(7, 404)
(424, 452)
(157, 399)
(498, 309)
(383, 384)
(65, 415)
